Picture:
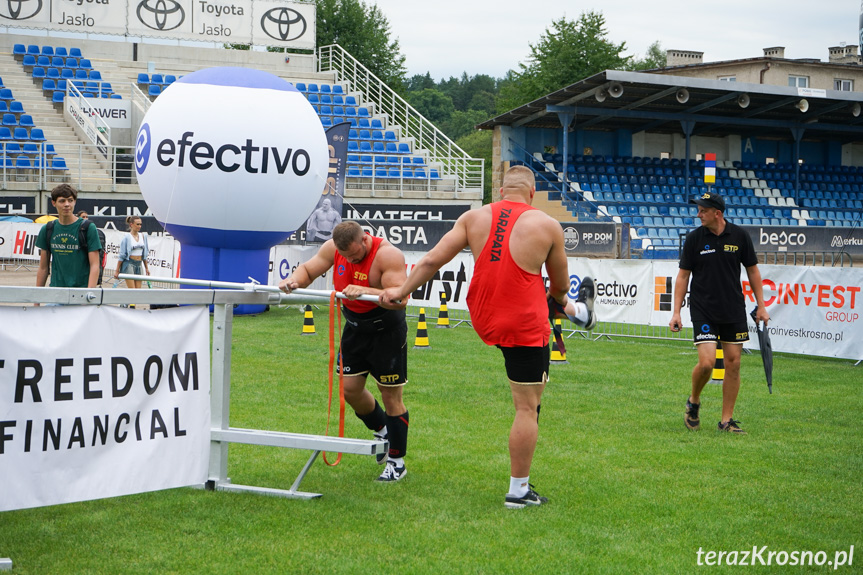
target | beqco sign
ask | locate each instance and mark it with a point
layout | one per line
(806, 239)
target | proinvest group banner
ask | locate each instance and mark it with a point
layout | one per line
(259, 22)
(100, 402)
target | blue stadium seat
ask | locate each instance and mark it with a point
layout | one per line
(154, 90)
(38, 73)
(61, 51)
(301, 87)
(58, 96)
(350, 101)
(29, 61)
(404, 148)
(26, 121)
(49, 85)
(326, 89)
(143, 79)
(67, 74)
(43, 61)
(19, 51)
(75, 52)
(58, 62)
(366, 146)
(326, 121)
(353, 146)
(379, 148)
(85, 63)
(20, 134)
(351, 112)
(37, 135)
(326, 99)
(58, 164)
(9, 119)
(72, 63)
(419, 173)
(314, 99)
(354, 172)
(81, 74)
(157, 79)
(363, 113)
(53, 73)
(392, 148)
(313, 89)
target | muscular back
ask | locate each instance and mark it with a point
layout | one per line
(532, 239)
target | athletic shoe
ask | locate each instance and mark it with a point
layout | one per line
(586, 295)
(392, 473)
(381, 457)
(529, 499)
(731, 427)
(690, 418)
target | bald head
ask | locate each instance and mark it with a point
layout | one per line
(518, 180)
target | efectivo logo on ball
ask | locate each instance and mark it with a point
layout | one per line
(142, 149)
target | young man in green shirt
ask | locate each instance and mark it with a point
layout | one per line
(67, 263)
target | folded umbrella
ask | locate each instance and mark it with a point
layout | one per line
(766, 350)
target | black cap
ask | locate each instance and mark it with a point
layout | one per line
(709, 200)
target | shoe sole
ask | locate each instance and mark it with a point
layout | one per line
(402, 476)
(514, 505)
(695, 427)
(589, 302)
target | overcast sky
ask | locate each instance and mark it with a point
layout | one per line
(448, 37)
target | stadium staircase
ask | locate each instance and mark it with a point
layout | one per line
(50, 120)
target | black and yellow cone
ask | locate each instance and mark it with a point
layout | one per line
(557, 355)
(422, 339)
(719, 366)
(308, 322)
(443, 313)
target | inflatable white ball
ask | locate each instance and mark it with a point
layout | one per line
(231, 157)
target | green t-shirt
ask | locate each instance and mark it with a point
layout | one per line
(70, 266)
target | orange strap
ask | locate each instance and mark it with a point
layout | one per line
(335, 308)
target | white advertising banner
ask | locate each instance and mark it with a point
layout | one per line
(261, 22)
(813, 310)
(101, 401)
(18, 241)
(623, 287)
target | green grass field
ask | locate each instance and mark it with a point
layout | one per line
(630, 489)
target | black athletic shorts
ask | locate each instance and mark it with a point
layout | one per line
(376, 343)
(526, 365)
(706, 331)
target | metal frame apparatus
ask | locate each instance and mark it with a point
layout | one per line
(221, 433)
(469, 172)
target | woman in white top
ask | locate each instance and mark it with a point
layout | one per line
(133, 253)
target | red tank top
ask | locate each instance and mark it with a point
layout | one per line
(507, 304)
(347, 274)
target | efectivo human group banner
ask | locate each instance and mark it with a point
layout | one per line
(99, 401)
(259, 22)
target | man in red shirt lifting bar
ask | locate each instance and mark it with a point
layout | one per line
(374, 340)
(508, 302)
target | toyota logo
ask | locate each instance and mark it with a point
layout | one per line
(142, 149)
(20, 9)
(161, 14)
(279, 24)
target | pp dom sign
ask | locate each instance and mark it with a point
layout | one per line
(231, 158)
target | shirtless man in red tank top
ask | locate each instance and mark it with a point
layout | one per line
(511, 242)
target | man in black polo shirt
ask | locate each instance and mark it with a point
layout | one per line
(712, 255)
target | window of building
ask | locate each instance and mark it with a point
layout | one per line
(798, 81)
(727, 78)
(843, 85)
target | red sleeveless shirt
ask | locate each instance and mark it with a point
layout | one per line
(347, 274)
(507, 304)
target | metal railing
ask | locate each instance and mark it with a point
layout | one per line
(468, 172)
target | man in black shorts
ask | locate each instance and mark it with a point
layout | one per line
(374, 340)
(712, 255)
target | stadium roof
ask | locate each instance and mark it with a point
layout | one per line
(659, 103)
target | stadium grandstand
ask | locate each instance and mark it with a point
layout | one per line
(394, 152)
(620, 148)
(629, 147)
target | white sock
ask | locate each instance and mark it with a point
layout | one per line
(518, 486)
(382, 431)
(582, 315)
(398, 461)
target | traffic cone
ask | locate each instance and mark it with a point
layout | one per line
(422, 339)
(308, 322)
(719, 366)
(557, 355)
(443, 314)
